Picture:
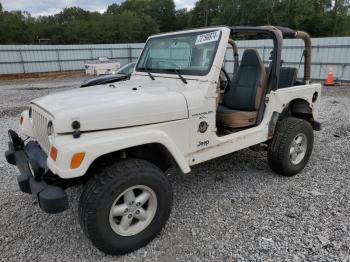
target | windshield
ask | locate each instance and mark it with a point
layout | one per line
(188, 54)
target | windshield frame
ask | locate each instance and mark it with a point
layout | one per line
(138, 67)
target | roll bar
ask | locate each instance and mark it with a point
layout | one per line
(290, 33)
(278, 33)
(307, 53)
(235, 54)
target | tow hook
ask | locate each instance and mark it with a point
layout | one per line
(16, 141)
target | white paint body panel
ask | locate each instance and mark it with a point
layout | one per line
(26, 127)
(164, 111)
(105, 107)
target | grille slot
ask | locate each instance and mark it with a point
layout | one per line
(40, 122)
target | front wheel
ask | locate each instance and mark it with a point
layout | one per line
(125, 206)
(291, 146)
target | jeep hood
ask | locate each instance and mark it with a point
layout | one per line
(122, 104)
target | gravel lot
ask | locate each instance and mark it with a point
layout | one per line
(231, 208)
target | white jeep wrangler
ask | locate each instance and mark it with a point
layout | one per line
(179, 108)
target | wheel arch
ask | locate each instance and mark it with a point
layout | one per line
(298, 108)
(153, 145)
(156, 153)
(304, 109)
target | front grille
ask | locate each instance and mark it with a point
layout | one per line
(40, 121)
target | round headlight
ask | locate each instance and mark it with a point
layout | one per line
(50, 132)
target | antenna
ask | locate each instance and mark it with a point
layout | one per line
(206, 12)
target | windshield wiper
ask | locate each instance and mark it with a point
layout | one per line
(148, 72)
(181, 77)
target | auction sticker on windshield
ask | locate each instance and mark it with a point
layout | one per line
(207, 37)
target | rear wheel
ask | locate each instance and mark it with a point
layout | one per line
(126, 206)
(291, 146)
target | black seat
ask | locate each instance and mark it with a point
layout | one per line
(241, 103)
(288, 76)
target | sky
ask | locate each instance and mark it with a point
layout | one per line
(48, 7)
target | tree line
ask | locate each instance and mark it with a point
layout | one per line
(135, 20)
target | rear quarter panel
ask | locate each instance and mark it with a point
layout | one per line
(280, 98)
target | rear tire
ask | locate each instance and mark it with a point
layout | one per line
(125, 206)
(291, 146)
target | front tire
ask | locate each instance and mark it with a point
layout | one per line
(125, 206)
(291, 146)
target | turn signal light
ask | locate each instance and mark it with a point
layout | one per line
(76, 160)
(21, 120)
(53, 153)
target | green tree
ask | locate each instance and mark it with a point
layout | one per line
(317, 17)
(338, 17)
(72, 14)
(113, 9)
(163, 11)
(183, 19)
(128, 27)
(15, 28)
(135, 20)
(206, 12)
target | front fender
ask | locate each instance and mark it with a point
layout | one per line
(96, 144)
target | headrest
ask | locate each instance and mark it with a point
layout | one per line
(251, 57)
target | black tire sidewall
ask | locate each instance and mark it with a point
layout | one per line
(306, 129)
(104, 237)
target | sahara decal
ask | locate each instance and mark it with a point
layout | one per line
(202, 114)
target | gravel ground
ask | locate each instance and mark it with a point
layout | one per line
(231, 208)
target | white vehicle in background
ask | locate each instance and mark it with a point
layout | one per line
(121, 74)
(179, 108)
(102, 67)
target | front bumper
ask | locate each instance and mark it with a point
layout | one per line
(30, 159)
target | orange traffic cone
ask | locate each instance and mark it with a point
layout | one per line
(330, 78)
